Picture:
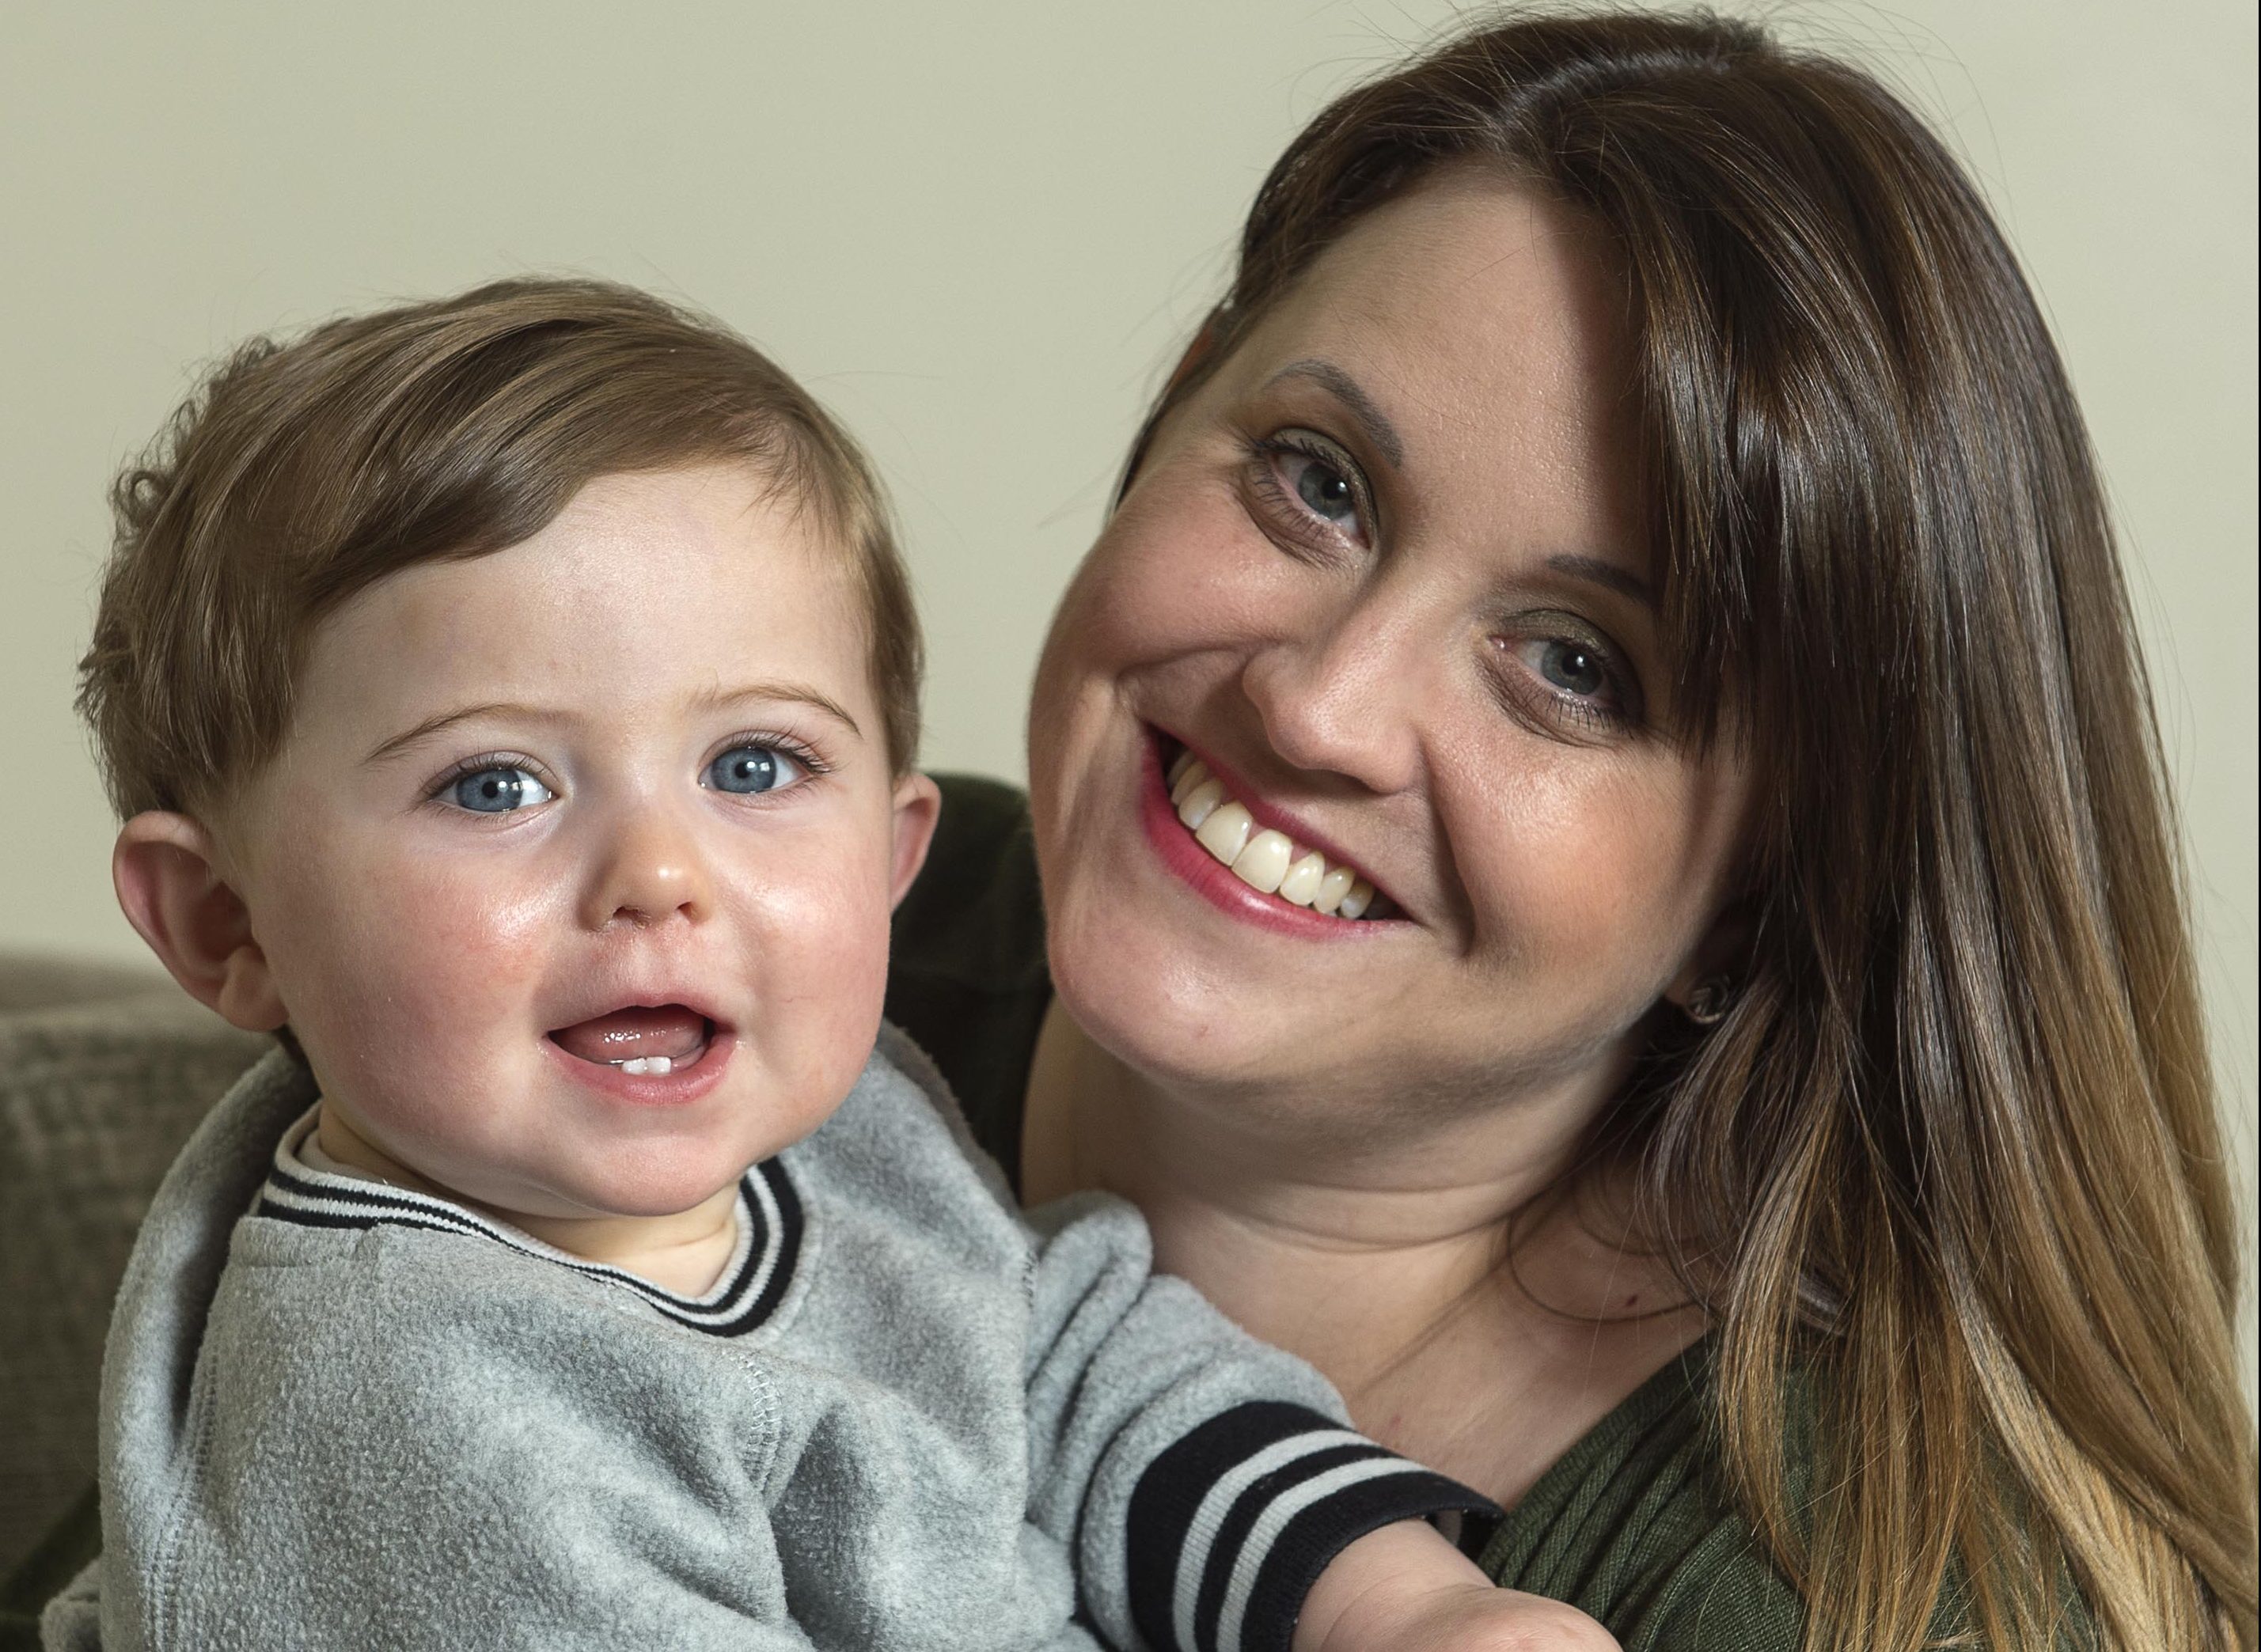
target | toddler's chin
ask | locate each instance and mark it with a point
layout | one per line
(643, 1191)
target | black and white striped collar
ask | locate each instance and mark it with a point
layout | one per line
(753, 1283)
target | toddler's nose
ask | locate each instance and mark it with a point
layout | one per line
(652, 872)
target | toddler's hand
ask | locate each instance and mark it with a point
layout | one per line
(1405, 1589)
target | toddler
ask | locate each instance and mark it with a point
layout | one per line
(512, 700)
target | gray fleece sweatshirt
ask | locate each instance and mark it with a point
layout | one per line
(337, 1413)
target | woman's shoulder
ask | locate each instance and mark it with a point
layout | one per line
(1634, 1527)
(967, 978)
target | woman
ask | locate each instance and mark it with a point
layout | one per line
(1697, 1036)
(1627, 523)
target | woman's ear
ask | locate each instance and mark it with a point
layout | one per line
(1720, 962)
(918, 805)
(169, 885)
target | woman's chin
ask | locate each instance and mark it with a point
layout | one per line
(1178, 1017)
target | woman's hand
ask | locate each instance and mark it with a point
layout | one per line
(1405, 1589)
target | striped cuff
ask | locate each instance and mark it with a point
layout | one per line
(1231, 1527)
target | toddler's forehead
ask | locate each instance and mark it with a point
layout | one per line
(646, 588)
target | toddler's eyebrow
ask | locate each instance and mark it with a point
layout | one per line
(713, 700)
(433, 725)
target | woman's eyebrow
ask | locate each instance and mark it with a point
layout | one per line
(1350, 394)
(1594, 570)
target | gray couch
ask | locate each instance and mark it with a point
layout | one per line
(104, 1071)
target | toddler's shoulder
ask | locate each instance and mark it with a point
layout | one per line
(901, 1124)
(897, 1159)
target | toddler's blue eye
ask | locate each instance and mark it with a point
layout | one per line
(498, 790)
(747, 769)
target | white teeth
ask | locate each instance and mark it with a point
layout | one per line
(657, 1066)
(1265, 860)
(1303, 879)
(1197, 804)
(1224, 831)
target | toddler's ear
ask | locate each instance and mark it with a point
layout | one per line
(918, 805)
(170, 886)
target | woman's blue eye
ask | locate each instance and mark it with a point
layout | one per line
(1325, 490)
(747, 769)
(1573, 667)
(1577, 678)
(498, 790)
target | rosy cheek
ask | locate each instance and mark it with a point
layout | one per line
(814, 947)
(424, 981)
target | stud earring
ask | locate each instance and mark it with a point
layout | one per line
(1707, 1003)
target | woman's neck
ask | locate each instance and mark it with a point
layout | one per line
(1445, 1280)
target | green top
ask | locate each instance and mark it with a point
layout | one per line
(1630, 1526)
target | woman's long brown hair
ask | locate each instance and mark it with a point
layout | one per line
(1953, 1158)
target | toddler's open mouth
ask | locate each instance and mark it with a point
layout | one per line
(646, 1041)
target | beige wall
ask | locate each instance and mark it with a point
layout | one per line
(978, 229)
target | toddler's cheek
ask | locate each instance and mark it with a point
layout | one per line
(817, 970)
(400, 1003)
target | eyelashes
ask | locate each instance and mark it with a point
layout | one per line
(1299, 503)
(1544, 669)
(493, 784)
(502, 783)
(792, 746)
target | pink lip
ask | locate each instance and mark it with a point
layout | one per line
(1216, 883)
(605, 1000)
(1265, 814)
(677, 1088)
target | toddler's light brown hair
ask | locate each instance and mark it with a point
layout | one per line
(306, 471)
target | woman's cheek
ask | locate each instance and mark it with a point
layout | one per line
(1587, 876)
(1180, 564)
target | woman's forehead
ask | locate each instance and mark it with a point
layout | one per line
(1473, 333)
(1469, 269)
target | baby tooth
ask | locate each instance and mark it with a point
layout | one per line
(1332, 888)
(1179, 764)
(1224, 831)
(1263, 862)
(1356, 900)
(655, 1066)
(1302, 882)
(1188, 777)
(1197, 805)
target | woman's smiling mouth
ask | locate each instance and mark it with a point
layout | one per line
(1212, 839)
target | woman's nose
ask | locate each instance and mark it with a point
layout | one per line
(1344, 696)
(651, 871)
